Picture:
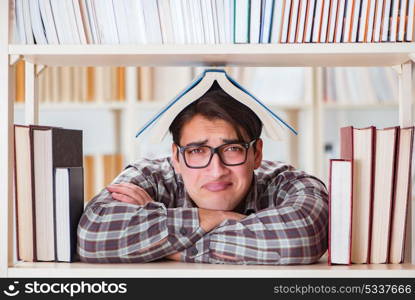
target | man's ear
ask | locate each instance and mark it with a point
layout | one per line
(174, 157)
(258, 153)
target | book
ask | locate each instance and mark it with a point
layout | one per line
(302, 15)
(285, 25)
(402, 194)
(358, 145)
(341, 11)
(255, 24)
(403, 18)
(325, 21)
(266, 21)
(69, 205)
(386, 16)
(26, 234)
(394, 21)
(308, 29)
(340, 211)
(410, 23)
(273, 125)
(277, 18)
(363, 21)
(334, 13)
(292, 28)
(355, 20)
(241, 21)
(383, 193)
(51, 148)
(378, 21)
(318, 14)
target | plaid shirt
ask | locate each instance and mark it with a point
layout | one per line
(286, 223)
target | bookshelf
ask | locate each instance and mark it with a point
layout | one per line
(397, 55)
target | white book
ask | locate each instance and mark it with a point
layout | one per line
(340, 21)
(340, 198)
(215, 21)
(387, 5)
(48, 22)
(332, 21)
(188, 25)
(62, 22)
(410, 23)
(266, 18)
(79, 23)
(36, 21)
(207, 15)
(241, 21)
(92, 18)
(285, 21)
(166, 21)
(277, 16)
(355, 20)
(177, 22)
(402, 20)
(27, 23)
(121, 19)
(274, 126)
(86, 24)
(292, 30)
(363, 21)
(325, 22)
(309, 21)
(348, 21)
(394, 21)
(378, 21)
(220, 11)
(137, 26)
(152, 22)
(255, 21)
(73, 29)
(371, 21)
(228, 21)
(301, 21)
(20, 25)
(106, 24)
(317, 21)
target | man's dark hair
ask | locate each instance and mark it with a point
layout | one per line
(216, 104)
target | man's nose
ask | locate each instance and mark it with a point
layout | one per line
(216, 168)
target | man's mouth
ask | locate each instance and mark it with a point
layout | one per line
(217, 186)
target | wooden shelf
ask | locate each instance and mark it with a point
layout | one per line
(178, 269)
(293, 55)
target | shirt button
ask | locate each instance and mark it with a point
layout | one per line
(183, 231)
(193, 251)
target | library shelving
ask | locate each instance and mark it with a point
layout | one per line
(397, 55)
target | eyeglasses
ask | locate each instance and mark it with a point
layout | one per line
(230, 154)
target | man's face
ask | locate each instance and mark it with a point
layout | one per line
(217, 186)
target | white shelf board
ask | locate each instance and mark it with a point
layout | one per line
(342, 54)
(192, 270)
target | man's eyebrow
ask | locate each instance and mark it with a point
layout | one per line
(197, 143)
(231, 141)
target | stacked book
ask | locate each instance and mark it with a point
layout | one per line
(212, 21)
(48, 192)
(369, 194)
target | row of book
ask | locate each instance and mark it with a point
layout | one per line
(369, 192)
(48, 192)
(212, 21)
(359, 85)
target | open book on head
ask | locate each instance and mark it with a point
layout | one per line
(274, 126)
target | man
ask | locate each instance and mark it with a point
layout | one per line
(213, 201)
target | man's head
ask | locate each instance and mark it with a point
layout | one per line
(222, 180)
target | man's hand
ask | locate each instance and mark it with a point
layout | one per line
(210, 219)
(129, 193)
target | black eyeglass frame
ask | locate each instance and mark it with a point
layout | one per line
(181, 150)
